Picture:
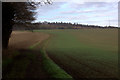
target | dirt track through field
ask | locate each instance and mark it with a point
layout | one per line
(21, 41)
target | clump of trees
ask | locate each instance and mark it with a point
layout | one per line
(16, 12)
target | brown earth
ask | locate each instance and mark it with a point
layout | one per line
(20, 42)
(23, 40)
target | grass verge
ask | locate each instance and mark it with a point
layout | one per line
(53, 69)
(50, 67)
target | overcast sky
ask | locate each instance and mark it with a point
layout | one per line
(93, 13)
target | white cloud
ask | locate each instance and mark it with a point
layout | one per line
(97, 13)
(82, 1)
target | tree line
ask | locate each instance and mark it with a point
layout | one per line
(55, 25)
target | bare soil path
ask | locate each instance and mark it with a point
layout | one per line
(25, 39)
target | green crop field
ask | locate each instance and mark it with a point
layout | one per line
(85, 53)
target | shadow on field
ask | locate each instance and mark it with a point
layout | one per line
(23, 64)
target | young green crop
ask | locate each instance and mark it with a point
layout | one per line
(87, 52)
